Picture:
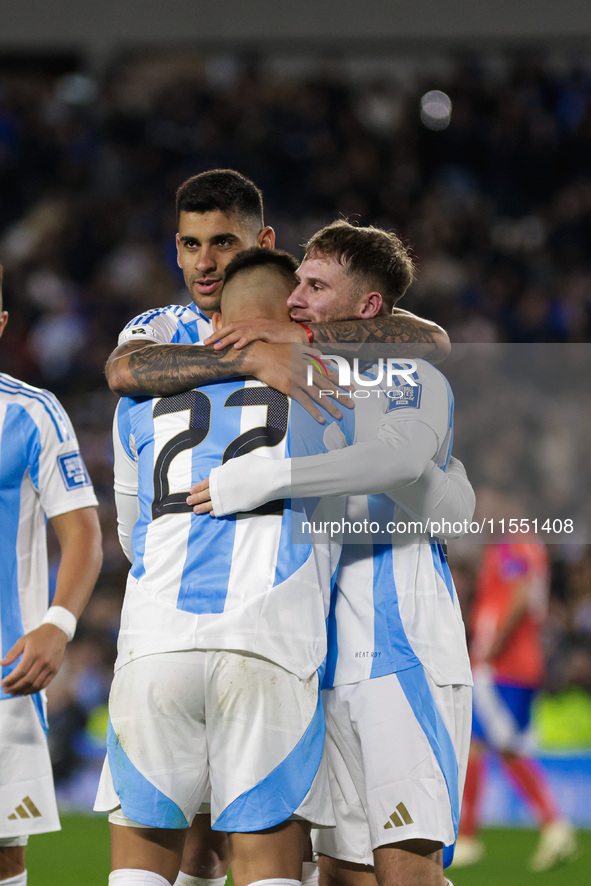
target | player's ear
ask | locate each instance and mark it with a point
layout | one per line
(371, 305)
(217, 321)
(266, 238)
(3, 319)
(178, 246)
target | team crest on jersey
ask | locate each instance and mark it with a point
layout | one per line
(404, 395)
(73, 470)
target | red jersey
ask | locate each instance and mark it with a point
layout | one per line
(503, 568)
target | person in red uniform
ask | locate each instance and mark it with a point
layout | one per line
(508, 663)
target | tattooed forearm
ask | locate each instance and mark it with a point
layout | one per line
(400, 327)
(403, 327)
(161, 370)
(378, 329)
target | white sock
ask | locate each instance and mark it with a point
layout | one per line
(276, 882)
(310, 873)
(187, 880)
(136, 877)
(19, 880)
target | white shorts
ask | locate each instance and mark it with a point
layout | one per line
(398, 750)
(27, 794)
(214, 726)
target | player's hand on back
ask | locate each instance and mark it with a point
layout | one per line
(285, 368)
(258, 329)
(199, 498)
(42, 652)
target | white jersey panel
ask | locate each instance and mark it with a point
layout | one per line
(41, 475)
(430, 612)
(175, 324)
(395, 604)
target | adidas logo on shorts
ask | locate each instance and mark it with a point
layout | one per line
(399, 820)
(30, 811)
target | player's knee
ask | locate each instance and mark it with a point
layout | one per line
(12, 862)
(334, 872)
(422, 848)
(409, 862)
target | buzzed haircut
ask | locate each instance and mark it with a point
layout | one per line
(257, 257)
(223, 189)
(377, 258)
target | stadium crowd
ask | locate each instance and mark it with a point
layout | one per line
(496, 204)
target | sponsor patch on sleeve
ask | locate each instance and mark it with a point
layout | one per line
(140, 330)
(73, 470)
(404, 396)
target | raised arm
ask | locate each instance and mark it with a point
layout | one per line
(430, 341)
(144, 368)
(400, 326)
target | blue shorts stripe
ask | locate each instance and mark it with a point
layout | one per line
(140, 800)
(416, 689)
(332, 639)
(275, 798)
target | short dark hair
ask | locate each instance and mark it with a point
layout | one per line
(378, 258)
(223, 189)
(257, 257)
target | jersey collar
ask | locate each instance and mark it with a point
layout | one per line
(198, 311)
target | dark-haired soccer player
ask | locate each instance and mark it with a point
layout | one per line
(42, 476)
(220, 213)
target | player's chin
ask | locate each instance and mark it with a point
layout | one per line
(207, 302)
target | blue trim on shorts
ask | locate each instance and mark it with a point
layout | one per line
(38, 705)
(418, 694)
(275, 798)
(518, 700)
(140, 800)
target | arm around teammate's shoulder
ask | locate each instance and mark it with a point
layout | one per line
(149, 369)
(120, 377)
(417, 336)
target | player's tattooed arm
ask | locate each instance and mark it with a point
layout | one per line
(400, 327)
(157, 370)
(144, 369)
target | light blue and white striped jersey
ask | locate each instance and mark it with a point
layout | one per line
(42, 475)
(394, 604)
(175, 324)
(232, 583)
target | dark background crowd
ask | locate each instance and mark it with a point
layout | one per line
(494, 195)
